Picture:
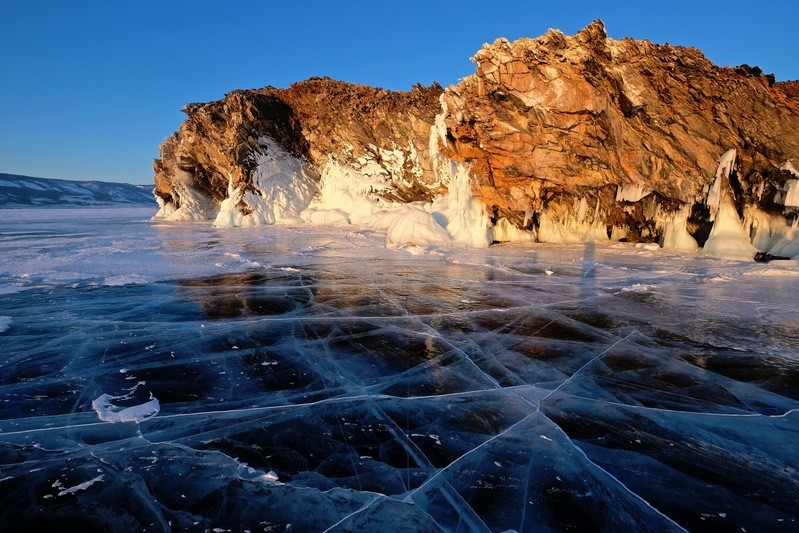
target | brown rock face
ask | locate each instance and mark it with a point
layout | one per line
(314, 120)
(551, 116)
(543, 124)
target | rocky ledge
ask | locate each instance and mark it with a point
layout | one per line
(558, 139)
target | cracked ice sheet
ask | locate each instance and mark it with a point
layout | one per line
(609, 386)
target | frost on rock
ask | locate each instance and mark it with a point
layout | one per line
(788, 165)
(194, 206)
(282, 186)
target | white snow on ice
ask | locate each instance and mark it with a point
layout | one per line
(107, 411)
(81, 486)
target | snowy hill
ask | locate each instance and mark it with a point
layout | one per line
(26, 191)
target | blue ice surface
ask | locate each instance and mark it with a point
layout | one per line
(312, 378)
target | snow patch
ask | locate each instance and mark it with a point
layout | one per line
(82, 486)
(124, 279)
(109, 412)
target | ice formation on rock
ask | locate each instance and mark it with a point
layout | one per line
(544, 132)
(504, 231)
(577, 226)
(347, 196)
(194, 206)
(675, 231)
(788, 245)
(631, 193)
(727, 239)
(282, 186)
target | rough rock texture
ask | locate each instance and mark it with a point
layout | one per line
(315, 119)
(547, 116)
(569, 129)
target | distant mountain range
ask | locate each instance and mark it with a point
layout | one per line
(26, 191)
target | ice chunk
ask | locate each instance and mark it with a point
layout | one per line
(788, 165)
(108, 412)
(350, 196)
(468, 220)
(728, 239)
(415, 226)
(631, 193)
(790, 196)
(788, 246)
(571, 231)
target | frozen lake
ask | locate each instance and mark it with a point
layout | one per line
(182, 377)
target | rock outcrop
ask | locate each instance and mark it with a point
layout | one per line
(319, 121)
(572, 138)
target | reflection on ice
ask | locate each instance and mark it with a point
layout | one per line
(292, 377)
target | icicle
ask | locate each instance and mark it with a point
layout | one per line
(675, 232)
(725, 168)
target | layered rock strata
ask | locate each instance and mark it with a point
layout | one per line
(570, 138)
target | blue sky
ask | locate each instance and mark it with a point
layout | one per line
(89, 89)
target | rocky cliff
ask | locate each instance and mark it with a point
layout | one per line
(319, 121)
(569, 138)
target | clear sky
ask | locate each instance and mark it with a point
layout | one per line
(89, 89)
